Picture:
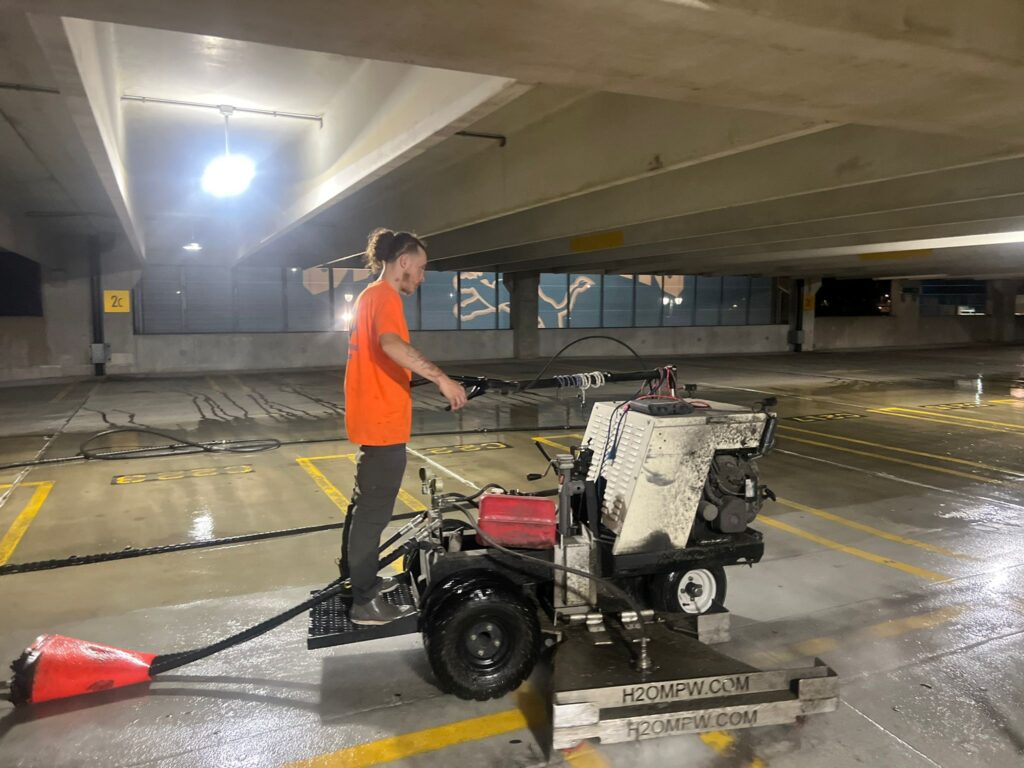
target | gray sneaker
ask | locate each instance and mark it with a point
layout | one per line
(387, 584)
(378, 611)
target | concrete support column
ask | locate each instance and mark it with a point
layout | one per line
(801, 322)
(1002, 296)
(120, 273)
(522, 288)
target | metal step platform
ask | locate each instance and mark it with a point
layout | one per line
(597, 694)
(329, 623)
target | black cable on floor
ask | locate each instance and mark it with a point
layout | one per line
(127, 554)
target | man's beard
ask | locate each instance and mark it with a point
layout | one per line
(407, 284)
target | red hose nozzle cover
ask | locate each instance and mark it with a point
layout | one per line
(56, 667)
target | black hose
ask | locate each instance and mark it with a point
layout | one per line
(168, 661)
(555, 356)
(178, 446)
(126, 554)
(131, 453)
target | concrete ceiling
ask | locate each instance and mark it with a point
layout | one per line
(725, 137)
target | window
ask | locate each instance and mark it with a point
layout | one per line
(162, 305)
(478, 300)
(259, 299)
(504, 304)
(552, 300)
(617, 306)
(760, 301)
(953, 297)
(677, 300)
(735, 299)
(648, 300)
(709, 301)
(211, 299)
(584, 301)
(21, 286)
(852, 298)
(437, 302)
(308, 299)
(207, 300)
(348, 284)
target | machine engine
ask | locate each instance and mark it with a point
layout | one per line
(667, 471)
(732, 496)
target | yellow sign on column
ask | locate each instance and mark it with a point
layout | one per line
(117, 301)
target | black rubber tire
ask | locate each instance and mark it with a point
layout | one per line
(498, 620)
(664, 590)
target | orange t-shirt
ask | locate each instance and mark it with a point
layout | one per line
(378, 406)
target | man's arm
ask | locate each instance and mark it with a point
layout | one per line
(409, 357)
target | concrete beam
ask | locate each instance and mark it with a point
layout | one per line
(990, 215)
(697, 199)
(80, 55)
(19, 236)
(381, 118)
(594, 142)
(901, 63)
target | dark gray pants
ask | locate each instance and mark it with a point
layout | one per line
(379, 471)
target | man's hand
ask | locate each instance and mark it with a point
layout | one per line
(453, 392)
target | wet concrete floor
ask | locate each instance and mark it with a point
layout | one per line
(895, 552)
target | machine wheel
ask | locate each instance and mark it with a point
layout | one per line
(483, 643)
(693, 591)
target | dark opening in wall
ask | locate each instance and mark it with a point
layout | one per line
(853, 298)
(21, 286)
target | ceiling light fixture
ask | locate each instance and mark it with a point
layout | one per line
(193, 245)
(228, 175)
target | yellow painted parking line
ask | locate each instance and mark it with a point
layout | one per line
(853, 551)
(339, 499)
(954, 417)
(64, 392)
(930, 620)
(529, 713)
(723, 742)
(1008, 401)
(905, 462)
(816, 646)
(351, 456)
(833, 517)
(944, 422)
(585, 756)
(418, 742)
(720, 741)
(553, 444)
(14, 534)
(885, 630)
(896, 449)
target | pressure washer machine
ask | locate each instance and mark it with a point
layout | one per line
(616, 577)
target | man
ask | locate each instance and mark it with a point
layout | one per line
(378, 413)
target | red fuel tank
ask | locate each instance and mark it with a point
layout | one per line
(519, 522)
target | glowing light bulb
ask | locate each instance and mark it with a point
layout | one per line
(228, 175)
